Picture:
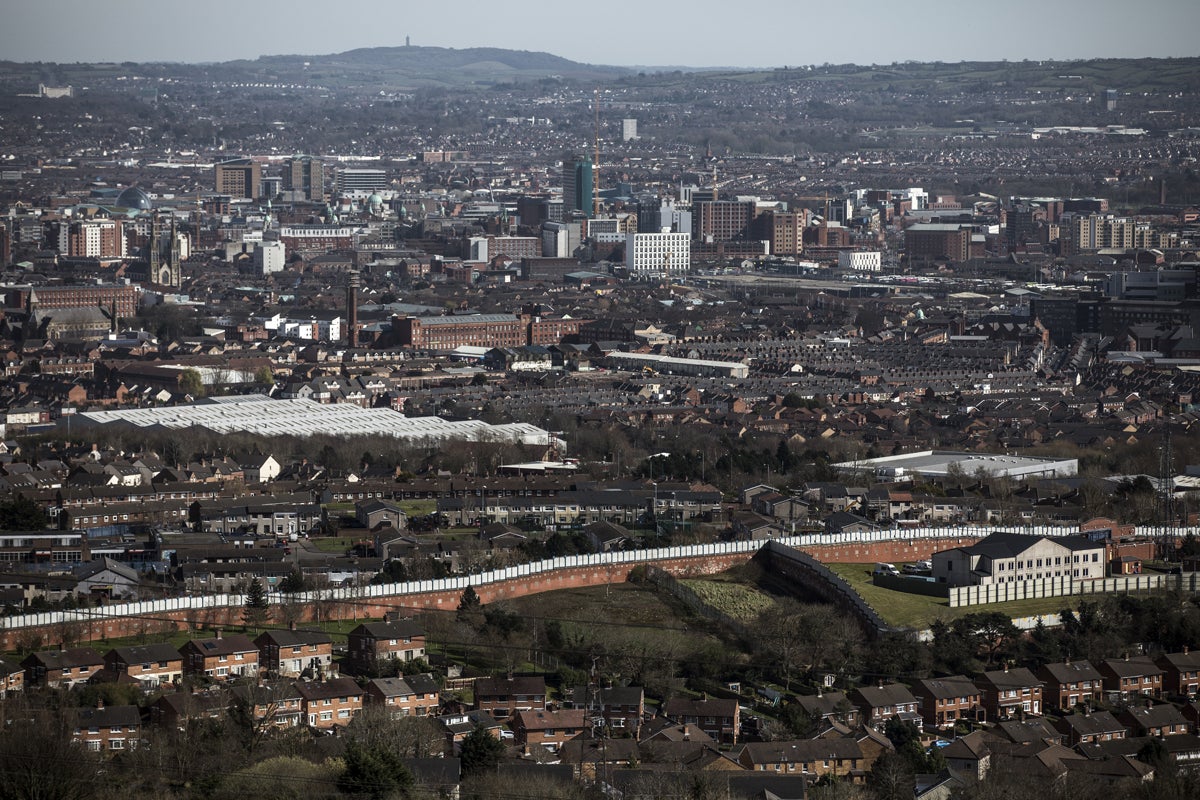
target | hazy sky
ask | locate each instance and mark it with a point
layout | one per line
(759, 33)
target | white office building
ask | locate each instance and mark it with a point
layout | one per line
(861, 260)
(654, 255)
(628, 130)
(350, 180)
(269, 257)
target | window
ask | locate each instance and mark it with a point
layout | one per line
(116, 744)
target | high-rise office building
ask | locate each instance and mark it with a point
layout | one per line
(657, 254)
(305, 175)
(722, 220)
(578, 183)
(785, 231)
(655, 214)
(94, 238)
(361, 180)
(628, 130)
(239, 177)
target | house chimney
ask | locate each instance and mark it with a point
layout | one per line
(218, 633)
(100, 704)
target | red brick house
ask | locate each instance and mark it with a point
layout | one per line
(810, 757)
(1132, 676)
(12, 678)
(182, 707)
(373, 644)
(720, 719)
(1181, 672)
(276, 705)
(1089, 728)
(944, 701)
(330, 703)
(1009, 693)
(151, 665)
(503, 697)
(411, 696)
(62, 668)
(290, 653)
(1066, 684)
(220, 658)
(1159, 720)
(113, 729)
(878, 704)
(622, 707)
(548, 729)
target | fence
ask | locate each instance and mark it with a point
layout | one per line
(599, 560)
(688, 596)
(1188, 582)
(840, 588)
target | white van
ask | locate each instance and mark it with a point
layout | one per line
(885, 569)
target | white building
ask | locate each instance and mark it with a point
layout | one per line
(361, 180)
(1011, 557)
(658, 254)
(316, 326)
(560, 239)
(628, 130)
(938, 464)
(861, 260)
(269, 257)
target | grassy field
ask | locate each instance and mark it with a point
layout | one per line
(738, 600)
(918, 611)
(332, 544)
(417, 508)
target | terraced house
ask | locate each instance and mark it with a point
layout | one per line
(1069, 683)
(115, 728)
(292, 652)
(329, 703)
(944, 701)
(373, 644)
(151, 665)
(221, 658)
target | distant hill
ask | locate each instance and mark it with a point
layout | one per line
(415, 67)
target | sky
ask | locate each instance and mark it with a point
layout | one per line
(697, 33)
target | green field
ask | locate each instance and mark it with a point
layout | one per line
(919, 611)
(738, 600)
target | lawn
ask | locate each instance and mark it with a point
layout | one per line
(918, 611)
(331, 544)
(417, 508)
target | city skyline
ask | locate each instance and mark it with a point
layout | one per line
(776, 33)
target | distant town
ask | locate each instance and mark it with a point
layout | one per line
(387, 425)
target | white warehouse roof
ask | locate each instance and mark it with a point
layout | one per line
(295, 417)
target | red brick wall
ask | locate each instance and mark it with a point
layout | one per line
(364, 608)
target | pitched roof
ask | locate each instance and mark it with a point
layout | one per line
(141, 654)
(320, 690)
(397, 629)
(952, 686)
(1069, 672)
